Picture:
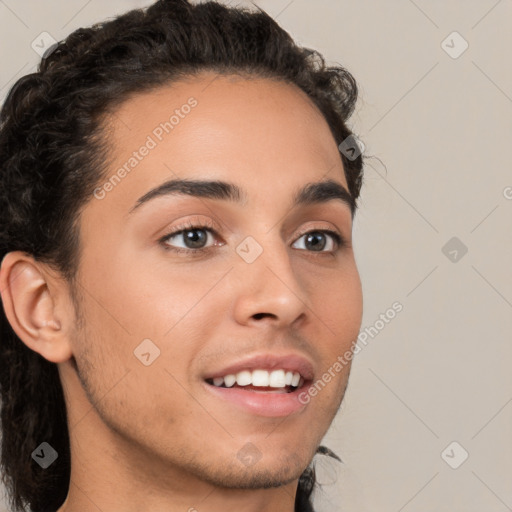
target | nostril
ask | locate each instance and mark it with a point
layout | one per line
(259, 316)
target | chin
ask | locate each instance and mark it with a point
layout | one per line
(262, 477)
(259, 474)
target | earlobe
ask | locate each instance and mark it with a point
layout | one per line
(29, 301)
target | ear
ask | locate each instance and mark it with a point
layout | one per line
(36, 305)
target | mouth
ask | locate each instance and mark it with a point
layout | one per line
(260, 381)
(255, 393)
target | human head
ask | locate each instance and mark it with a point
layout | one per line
(54, 149)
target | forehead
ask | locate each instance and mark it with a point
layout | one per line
(265, 135)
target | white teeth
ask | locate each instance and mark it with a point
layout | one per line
(218, 381)
(260, 378)
(244, 378)
(229, 380)
(277, 379)
(263, 378)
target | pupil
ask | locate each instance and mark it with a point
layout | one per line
(318, 243)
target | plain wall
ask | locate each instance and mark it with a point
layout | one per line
(439, 130)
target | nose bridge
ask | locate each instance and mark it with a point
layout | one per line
(268, 283)
(267, 251)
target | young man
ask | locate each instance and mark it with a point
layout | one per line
(177, 266)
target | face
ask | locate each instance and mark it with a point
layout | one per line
(182, 285)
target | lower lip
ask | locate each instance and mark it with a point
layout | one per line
(263, 404)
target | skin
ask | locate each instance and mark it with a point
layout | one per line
(151, 437)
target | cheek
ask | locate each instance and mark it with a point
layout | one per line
(337, 302)
(339, 306)
(145, 297)
(169, 299)
(349, 309)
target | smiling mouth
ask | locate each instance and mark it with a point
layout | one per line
(260, 381)
(259, 389)
(264, 393)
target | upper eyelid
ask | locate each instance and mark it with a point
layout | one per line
(208, 226)
(309, 229)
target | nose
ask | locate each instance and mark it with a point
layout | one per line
(268, 290)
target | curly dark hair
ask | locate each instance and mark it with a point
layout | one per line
(53, 154)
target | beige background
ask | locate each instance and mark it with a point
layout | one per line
(440, 370)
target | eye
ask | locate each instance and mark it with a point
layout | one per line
(318, 240)
(193, 238)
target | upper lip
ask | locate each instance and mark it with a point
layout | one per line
(268, 361)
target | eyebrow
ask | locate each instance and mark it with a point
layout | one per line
(311, 193)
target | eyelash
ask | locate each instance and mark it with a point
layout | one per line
(339, 240)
